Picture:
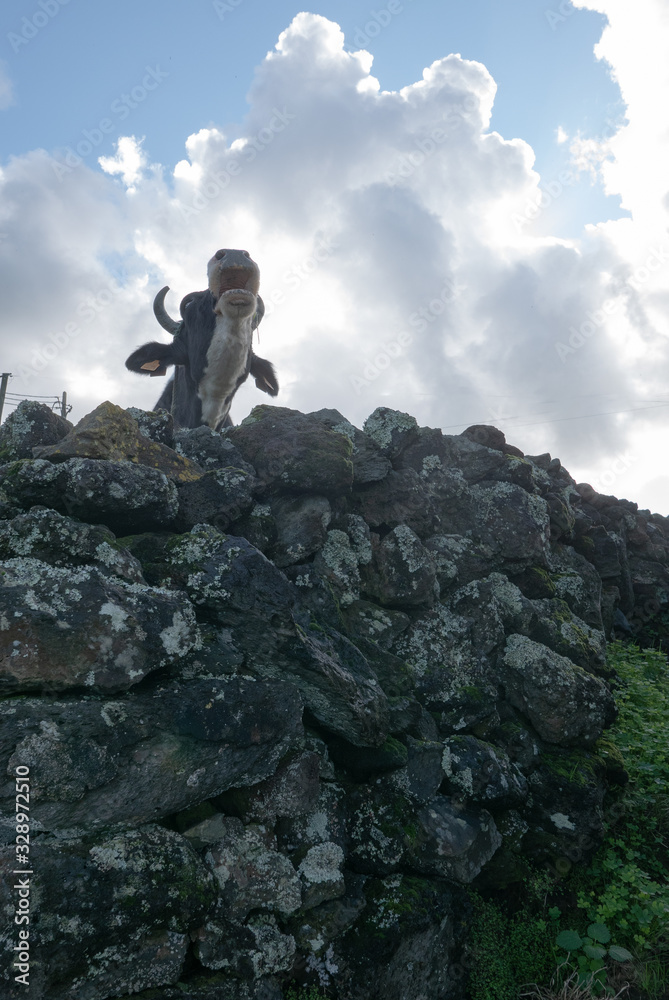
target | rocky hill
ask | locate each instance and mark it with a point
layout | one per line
(283, 695)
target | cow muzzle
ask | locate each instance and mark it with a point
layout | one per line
(236, 302)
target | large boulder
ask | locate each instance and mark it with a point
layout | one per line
(124, 496)
(30, 425)
(66, 628)
(566, 705)
(292, 452)
(109, 914)
(110, 433)
(139, 758)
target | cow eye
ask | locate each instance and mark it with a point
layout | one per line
(219, 254)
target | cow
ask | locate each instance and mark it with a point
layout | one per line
(211, 350)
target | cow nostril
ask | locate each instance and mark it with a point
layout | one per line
(246, 253)
(219, 254)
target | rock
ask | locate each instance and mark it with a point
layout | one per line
(210, 449)
(578, 584)
(301, 528)
(423, 775)
(291, 791)
(321, 874)
(338, 686)
(565, 704)
(566, 634)
(31, 424)
(401, 947)
(481, 773)
(400, 499)
(362, 764)
(566, 815)
(63, 628)
(364, 620)
(476, 461)
(402, 572)
(214, 986)
(157, 425)
(337, 564)
(217, 497)
(369, 463)
(497, 606)
(251, 876)
(390, 430)
(111, 433)
(226, 577)
(453, 842)
(316, 929)
(109, 915)
(489, 437)
(149, 754)
(127, 498)
(599, 547)
(292, 452)
(61, 541)
(324, 823)
(381, 827)
(250, 952)
(452, 677)
(258, 527)
(514, 524)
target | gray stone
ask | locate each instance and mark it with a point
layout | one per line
(301, 528)
(369, 463)
(402, 571)
(402, 498)
(108, 915)
(251, 874)
(210, 449)
(218, 497)
(31, 424)
(124, 496)
(61, 541)
(321, 874)
(481, 773)
(294, 453)
(565, 704)
(63, 628)
(97, 762)
(403, 945)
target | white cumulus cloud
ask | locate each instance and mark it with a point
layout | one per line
(393, 264)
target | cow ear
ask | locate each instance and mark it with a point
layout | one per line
(152, 359)
(264, 374)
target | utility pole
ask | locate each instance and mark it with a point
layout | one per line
(63, 405)
(3, 390)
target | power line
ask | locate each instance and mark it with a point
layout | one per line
(558, 420)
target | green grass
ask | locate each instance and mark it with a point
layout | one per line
(624, 889)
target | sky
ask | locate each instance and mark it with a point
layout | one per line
(459, 209)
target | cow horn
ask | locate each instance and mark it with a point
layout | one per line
(160, 312)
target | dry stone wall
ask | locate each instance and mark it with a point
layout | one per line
(286, 692)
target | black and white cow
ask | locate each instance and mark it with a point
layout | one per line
(211, 349)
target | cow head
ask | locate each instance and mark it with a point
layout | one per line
(234, 281)
(233, 307)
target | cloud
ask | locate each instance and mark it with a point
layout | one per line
(6, 87)
(392, 264)
(129, 161)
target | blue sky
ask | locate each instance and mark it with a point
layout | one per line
(522, 251)
(74, 72)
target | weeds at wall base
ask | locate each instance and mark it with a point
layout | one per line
(621, 895)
